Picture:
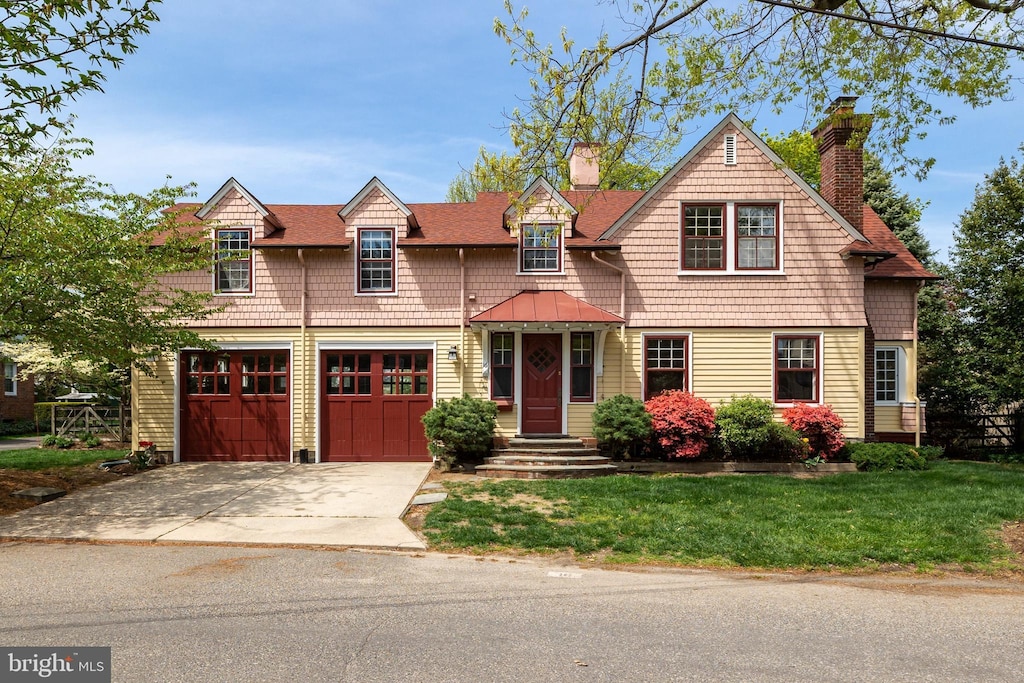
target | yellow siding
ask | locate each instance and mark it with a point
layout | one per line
(888, 419)
(739, 361)
(153, 405)
(579, 419)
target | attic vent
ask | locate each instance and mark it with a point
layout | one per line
(730, 150)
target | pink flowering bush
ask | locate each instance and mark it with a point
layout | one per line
(682, 423)
(819, 426)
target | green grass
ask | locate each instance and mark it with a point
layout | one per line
(948, 515)
(43, 458)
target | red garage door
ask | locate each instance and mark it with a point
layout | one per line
(235, 406)
(371, 405)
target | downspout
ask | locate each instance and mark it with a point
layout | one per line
(622, 314)
(302, 343)
(462, 322)
(917, 365)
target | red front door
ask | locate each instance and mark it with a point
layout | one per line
(542, 384)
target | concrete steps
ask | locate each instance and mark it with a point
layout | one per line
(546, 458)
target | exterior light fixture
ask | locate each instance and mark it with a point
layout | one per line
(453, 352)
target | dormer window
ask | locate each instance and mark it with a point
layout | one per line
(233, 261)
(540, 248)
(376, 261)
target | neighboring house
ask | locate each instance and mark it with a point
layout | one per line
(343, 323)
(18, 400)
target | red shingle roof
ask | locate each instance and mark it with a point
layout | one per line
(545, 307)
(902, 263)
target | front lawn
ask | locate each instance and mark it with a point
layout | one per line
(45, 458)
(951, 514)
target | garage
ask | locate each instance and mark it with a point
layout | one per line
(371, 404)
(236, 405)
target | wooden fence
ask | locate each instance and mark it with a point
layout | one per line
(1000, 431)
(114, 422)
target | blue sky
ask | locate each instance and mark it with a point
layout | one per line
(303, 101)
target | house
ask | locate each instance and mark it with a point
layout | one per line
(342, 324)
(18, 400)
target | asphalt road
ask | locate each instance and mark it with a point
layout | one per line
(192, 613)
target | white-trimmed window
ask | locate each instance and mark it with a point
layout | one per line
(11, 379)
(581, 367)
(376, 267)
(502, 369)
(731, 238)
(889, 374)
(797, 368)
(666, 364)
(757, 236)
(540, 248)
(703, 237)
(233, 261)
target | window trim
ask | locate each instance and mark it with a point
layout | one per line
(723, 239)
(559, 248)
(901, 374)
(819, 363)
(501, 400)
(217, 291)
(589, 398)
(359, 291)
(687, 338)
(736, 234)
(13, 378)
(730, 237)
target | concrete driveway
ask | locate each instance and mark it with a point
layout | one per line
(339, 504)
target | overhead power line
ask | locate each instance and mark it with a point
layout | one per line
(888, 24)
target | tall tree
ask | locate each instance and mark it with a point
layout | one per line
(53, 52)
(897, 209)
(987, 283)
(78, 271)
(673, 61)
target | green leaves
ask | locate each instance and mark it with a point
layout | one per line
(77, 269)
(678, 62)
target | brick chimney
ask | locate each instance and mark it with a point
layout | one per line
(840, 139)
(584, 166)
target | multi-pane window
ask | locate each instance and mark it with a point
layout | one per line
(406, 373)
(207, 373)
(348, 374)
(887, 375)
(703, 238)
(233, 261)
(796, 369)
(376, 260)
(11, 379)
(581, 371)
(664, 365)
(502, 365)
(756, 237)
(264, 373)
(540, 248)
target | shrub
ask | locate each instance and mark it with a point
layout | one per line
(54, 441)
(621, 422)
(17, 427)
(931, 452)
(743, 427)
(819, 425)
(89, 440)
(460, 430)
(783, 444)
(682, 423)
(885, 457)
(1006, 458)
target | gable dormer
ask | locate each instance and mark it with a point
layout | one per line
(540, 202)
(376, 205)
(234, 206)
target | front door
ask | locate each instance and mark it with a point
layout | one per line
(542, 384)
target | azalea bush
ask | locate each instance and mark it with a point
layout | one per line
(820, 426)
(682, 423)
